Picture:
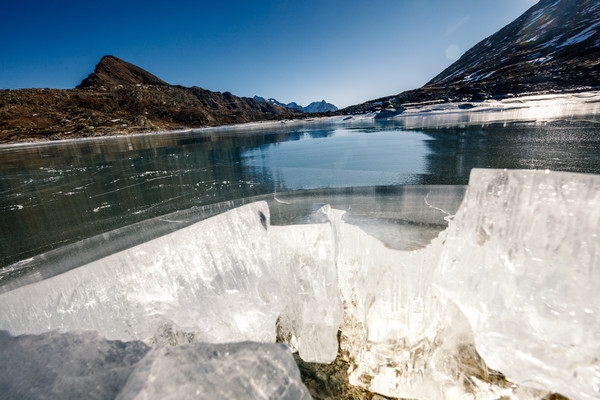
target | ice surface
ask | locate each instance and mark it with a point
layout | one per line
(84, 365)
(74, 365)
(211, 281)
(522, 259)
(546, 107)
(304, 260)
(217, 371)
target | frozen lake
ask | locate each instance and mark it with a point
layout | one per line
(53, 194)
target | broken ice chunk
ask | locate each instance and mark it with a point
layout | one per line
(211, 281)
(522, 261)
(84, 365)
(400, 339)
(304, 263)
(74, 365)
(217, 371)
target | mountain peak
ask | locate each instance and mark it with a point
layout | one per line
(112, 71)
(319, 106)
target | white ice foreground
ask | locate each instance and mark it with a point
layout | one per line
(511, 283)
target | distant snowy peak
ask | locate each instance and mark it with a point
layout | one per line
(319, 106)
(554, 43)
(314, 107)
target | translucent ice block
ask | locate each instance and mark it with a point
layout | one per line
(211, 281)
(217, 371)
(522, 260)
(84, 365)
(73, 365)
(304, 263)
(401, 340)
(401, 337)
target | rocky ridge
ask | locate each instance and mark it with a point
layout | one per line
(119, 97)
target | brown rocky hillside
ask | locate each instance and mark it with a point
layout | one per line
(119, 97)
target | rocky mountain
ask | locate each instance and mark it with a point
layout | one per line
(553, 46)
(271, 100)
(112, 71)
(119, 97)
(319, 106)
(314, 107)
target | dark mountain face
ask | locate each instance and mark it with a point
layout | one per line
(553, 45)
(112, 71)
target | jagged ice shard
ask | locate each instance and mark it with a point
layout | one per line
(401, 340)
(521, 259)
(228, 278)
(210, 282)
(304, 261)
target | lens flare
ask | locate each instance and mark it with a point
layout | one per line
(453, 52)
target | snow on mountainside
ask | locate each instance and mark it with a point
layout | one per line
(552, 47)
(314, 107)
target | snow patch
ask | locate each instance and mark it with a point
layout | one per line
(582, 36)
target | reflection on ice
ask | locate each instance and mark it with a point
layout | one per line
(539, 108)
(516, 269)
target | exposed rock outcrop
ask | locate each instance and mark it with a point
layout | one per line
(112, 71)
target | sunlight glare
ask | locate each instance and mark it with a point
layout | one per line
(453, 52)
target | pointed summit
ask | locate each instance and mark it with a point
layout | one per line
(112, 71)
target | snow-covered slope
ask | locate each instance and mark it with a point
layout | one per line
(319, 106)
(314, 107)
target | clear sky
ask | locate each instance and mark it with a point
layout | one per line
(343, 51)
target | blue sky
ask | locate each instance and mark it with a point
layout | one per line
(345, 52)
